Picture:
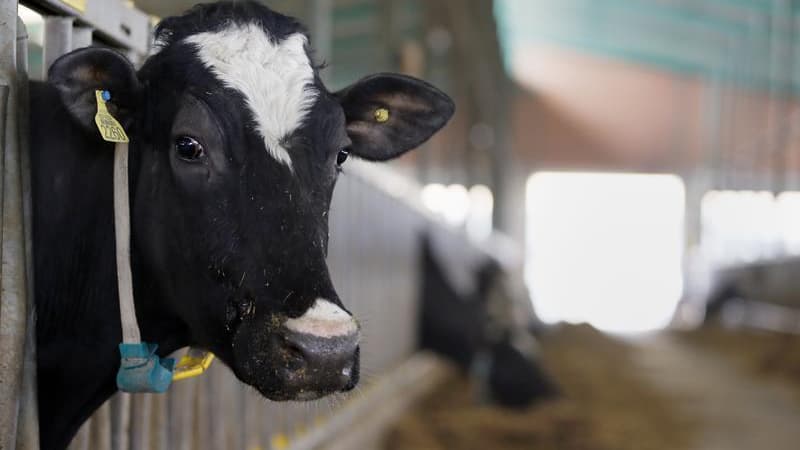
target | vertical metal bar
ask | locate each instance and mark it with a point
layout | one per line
(13, 292)
(322, 28)
(120, 420)
(159, 438)
(216, 397)
(81, 37)
(140, 422)
(237, 425)
(182, 413)
(57, 39)
(28, 424)
(100, 433)
(254, 418)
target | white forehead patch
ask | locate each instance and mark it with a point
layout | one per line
(325, 320)
(276, 79)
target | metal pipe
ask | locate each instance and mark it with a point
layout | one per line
(140, 421)
(322, 27)
(81, 37)
(100, 432)
(28, 424)
(120, 420)
(57, 39)
(13, 294)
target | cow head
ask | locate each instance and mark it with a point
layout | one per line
(236, 145)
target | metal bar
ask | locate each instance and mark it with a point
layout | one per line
(322, 28)
(13, 293)
(57, 39)
(119, 24)
(120, 420)
(81, 37)
(159, 439)
(182, 415)
(141, 409)
(100, 433)
(28, 423)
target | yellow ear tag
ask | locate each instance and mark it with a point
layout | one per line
(108, 126)
(192, 364)
(382, 115)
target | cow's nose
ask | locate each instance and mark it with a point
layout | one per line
(322, 351)
(322, 364)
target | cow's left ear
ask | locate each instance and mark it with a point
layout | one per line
(78, 74)
(389, 114)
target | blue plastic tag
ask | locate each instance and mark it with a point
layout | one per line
(142, 371)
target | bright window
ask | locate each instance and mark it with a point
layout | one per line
(745, 226)
(605, 248)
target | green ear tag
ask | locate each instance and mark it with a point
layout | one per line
(108, 126)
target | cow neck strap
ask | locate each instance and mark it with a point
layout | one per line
(140, 367)
(122, 232)
(141, 370)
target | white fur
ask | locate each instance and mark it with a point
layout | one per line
(275, 79)
(325, 320)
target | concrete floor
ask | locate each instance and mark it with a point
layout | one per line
(735, 410)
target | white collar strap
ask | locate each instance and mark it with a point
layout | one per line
(122, 232)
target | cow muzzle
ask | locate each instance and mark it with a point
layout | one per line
(301, 358)
(320, 351)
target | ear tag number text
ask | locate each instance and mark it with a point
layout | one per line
(109, 128)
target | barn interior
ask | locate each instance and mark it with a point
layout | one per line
(600, 250)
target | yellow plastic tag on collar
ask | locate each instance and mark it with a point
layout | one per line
(108, 126)
(192, 364)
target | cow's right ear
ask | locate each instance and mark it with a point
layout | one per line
(78, 74)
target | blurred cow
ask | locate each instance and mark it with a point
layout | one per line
(477, 329)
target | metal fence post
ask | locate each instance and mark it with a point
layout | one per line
(57, 39)
(81, 37)
(13, 292)
(28, 424)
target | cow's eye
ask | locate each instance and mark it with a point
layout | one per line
(342, 156)
(188, 148)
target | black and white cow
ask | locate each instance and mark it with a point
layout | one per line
(236, 145)
(468, 329)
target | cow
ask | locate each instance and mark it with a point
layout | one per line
(468, 328)
(235, 148)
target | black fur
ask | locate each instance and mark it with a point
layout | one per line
(224, 247)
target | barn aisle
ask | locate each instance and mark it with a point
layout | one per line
(734, 408)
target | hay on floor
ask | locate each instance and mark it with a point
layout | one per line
(605, 407)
